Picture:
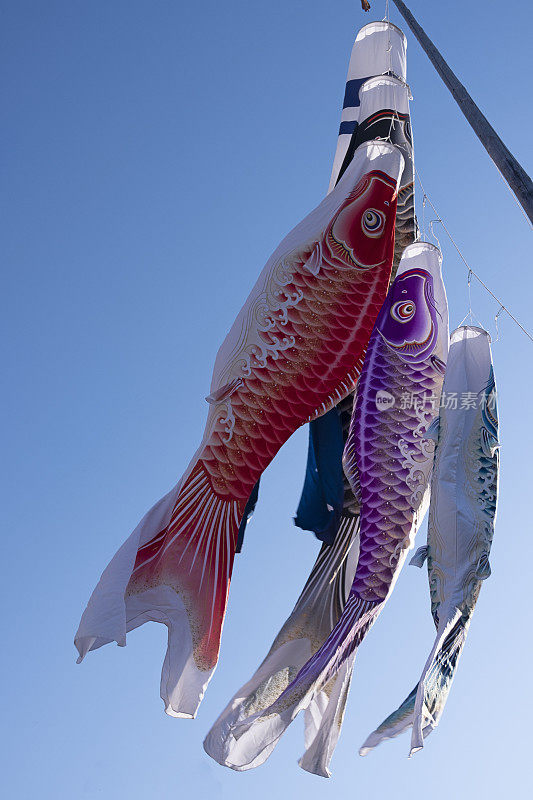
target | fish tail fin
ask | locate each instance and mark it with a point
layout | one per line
(315, 614)
(356, 620)
(393, 725)
(324, 717)
(436, 680)
(176, 570)
(423, 707)
(319, 673)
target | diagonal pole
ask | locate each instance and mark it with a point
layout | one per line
(519, 181)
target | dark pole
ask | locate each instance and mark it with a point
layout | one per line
(517, 178)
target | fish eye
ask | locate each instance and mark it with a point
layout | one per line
(373, 223)
(403, 310)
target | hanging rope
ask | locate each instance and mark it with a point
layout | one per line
(424, 201)
(470, 314)
(433, 232)
(497, 339)
(469, 268)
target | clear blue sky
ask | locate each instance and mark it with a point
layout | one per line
(155, 153)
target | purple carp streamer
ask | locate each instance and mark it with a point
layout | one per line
(462, 514)
(315, 614)
(400, 382)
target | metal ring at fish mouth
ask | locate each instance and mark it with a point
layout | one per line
(381, 25)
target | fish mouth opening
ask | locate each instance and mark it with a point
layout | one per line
(472, 328)
(379, 25)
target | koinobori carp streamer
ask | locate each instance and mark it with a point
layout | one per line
(295, 349)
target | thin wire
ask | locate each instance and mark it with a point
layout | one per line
(389, 47)
(431, 222)
(470, 314)
(392, 126)
(463, 259)
(394, 116)
(497, 339)
(386, 19)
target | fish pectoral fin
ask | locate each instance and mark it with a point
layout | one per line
(489, 443)
(419, 557)
(483, 570)
(433, 430)
(314, 261)
(224, 392)
(438, 364)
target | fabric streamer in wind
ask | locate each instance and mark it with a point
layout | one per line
(379, 48)
(462, 514)
(401, 377)
(295, 349)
